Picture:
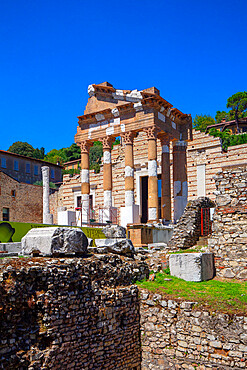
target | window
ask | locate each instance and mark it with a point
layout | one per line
(5, 214)
(36, 170)
(13, 193)
(16, 165)
(52, 174)
(28, 168)
(3, 162)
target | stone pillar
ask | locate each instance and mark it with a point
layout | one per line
(152, 175)
(165, 179)
(130, 212)
(107, 172)
(180, 186)
(85, 185)
(47, 216)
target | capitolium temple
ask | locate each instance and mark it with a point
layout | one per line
(112, 113)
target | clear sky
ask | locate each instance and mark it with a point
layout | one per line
(193, 51)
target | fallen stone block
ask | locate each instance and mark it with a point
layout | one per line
(114, 231)
(192, 266)
(50, 241)
(115, 245)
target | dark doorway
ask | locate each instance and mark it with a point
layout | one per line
(144, 200)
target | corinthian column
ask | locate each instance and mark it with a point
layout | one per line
(107, 172)
(152, 175)
(180, 186)
(85, 186)
(129, 168)
(165, 178)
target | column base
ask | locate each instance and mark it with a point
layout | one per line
(129, 215)
(108, 214)
(48, 219)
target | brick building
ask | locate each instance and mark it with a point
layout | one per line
(20, 202)
(27, 169)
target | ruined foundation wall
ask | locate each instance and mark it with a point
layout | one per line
(229, 238)
(70, 313)
(177, 336)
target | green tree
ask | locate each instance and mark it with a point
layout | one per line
(95, 155)
(201, 122)
(220, 115)
(238, 105)
(22, 148)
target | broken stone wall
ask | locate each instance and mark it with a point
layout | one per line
(177, 335)
(188, 229)
(70, 313)
(229, 238)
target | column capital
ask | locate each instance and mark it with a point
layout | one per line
(85, 146)
(152, 132)
(107, 143)
(164, 139)
(129, 137)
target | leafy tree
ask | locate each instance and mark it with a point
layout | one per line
(95, 155)
(22, 148)
(201, 122)
(220, 115)
(238, 105)
(55, 156)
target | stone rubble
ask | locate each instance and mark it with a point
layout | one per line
(187, 231)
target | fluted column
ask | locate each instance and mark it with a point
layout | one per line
(180, 186)
(129, 168)
(107, 172)
(165, 178)
(85, 185)
(152, 175)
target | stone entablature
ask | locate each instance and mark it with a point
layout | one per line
(127, 114)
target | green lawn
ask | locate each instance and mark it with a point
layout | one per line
(225, 296)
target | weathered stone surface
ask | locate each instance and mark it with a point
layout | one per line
(116, 245)
(114, 231)
(54, 240)
(192, 266)
(228, 240)
(70, 313)
(179, 335)
(187, 231)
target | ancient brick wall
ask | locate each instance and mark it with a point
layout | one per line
(206, 150)
(25, 201)
(176, 335)
(229, 238)
(70, 313)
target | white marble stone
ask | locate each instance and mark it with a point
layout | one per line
(115, 112)
(107, 157)
(192, 266)
(152, 213)
(129, 171)
(84, 176)
(129, 198)
(107, 198)
(138, 106)
(152, 168)
(129, 215)
(54, 240)
(91, 90)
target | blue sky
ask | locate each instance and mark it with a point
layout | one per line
(194, 52)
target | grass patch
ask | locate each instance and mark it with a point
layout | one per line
(224, 296)
(190, 250)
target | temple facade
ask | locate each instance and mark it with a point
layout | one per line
(145, 121)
